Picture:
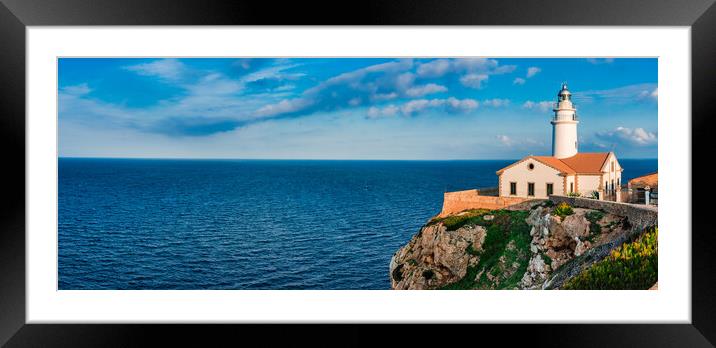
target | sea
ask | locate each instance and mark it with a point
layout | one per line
(251, 224)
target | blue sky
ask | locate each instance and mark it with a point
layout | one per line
(350, 108)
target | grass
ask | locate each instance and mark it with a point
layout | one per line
(507, 228)
(468, 217)
(632, 266)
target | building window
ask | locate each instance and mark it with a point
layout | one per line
(550, 189)
(571, 187)
(531, 189)
(612, 165)
(531, 166)
(513, 188)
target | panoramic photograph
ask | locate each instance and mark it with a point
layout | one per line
(279, 173)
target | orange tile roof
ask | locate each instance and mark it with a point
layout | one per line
(587, 162)
(581, 163)
(555, 163)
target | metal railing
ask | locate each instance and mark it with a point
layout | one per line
(574, 118)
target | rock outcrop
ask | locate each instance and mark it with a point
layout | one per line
(559, 239)
(436, 257)
(525, 248)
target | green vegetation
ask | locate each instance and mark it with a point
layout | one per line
(471, 250)
(563, 210)
(506, 244)
(547, 260)
(468, 217)
(594, 227)
(574, 194)
(632, 266)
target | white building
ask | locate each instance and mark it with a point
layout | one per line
(566, 171)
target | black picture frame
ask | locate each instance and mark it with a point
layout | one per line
(15, 15)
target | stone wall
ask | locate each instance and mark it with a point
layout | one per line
(455, 202)
(638, 214)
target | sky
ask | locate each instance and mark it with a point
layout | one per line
(350, 108)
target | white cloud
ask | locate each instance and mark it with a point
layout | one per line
(620, 95)
(404, 81)
(416, 106)
(374, 112)
(283, 107)
(482, 65)
(355, 101)
(434, 68)
(393, 71)
(419, 91)
(214, 84)
(473, 80)
(473, 72)
(496, 102)
(272, 72)
(519, 81)
(504, 139)
(528, 145)
(461, 105)
(212, 101)
(167, 69)
(543, 106)
(77, 90)
(383, 96)
(388, 111)
(532, 71)
(647, 94)
(391, 110)
(623, 135)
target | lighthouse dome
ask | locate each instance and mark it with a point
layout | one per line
(564, 94)
(564, 90)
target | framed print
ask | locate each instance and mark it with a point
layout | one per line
(225, 165)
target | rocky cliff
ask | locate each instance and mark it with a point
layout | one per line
(505, 249)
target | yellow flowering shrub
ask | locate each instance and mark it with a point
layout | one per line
(632, 266)
(563, 209)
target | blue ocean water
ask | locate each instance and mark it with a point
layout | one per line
(250, 224)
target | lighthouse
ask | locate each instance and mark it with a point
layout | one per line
(567, 172)
(564, 125)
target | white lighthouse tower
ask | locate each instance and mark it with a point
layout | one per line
(564, 125)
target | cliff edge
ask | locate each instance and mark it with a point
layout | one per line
(534, 247)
